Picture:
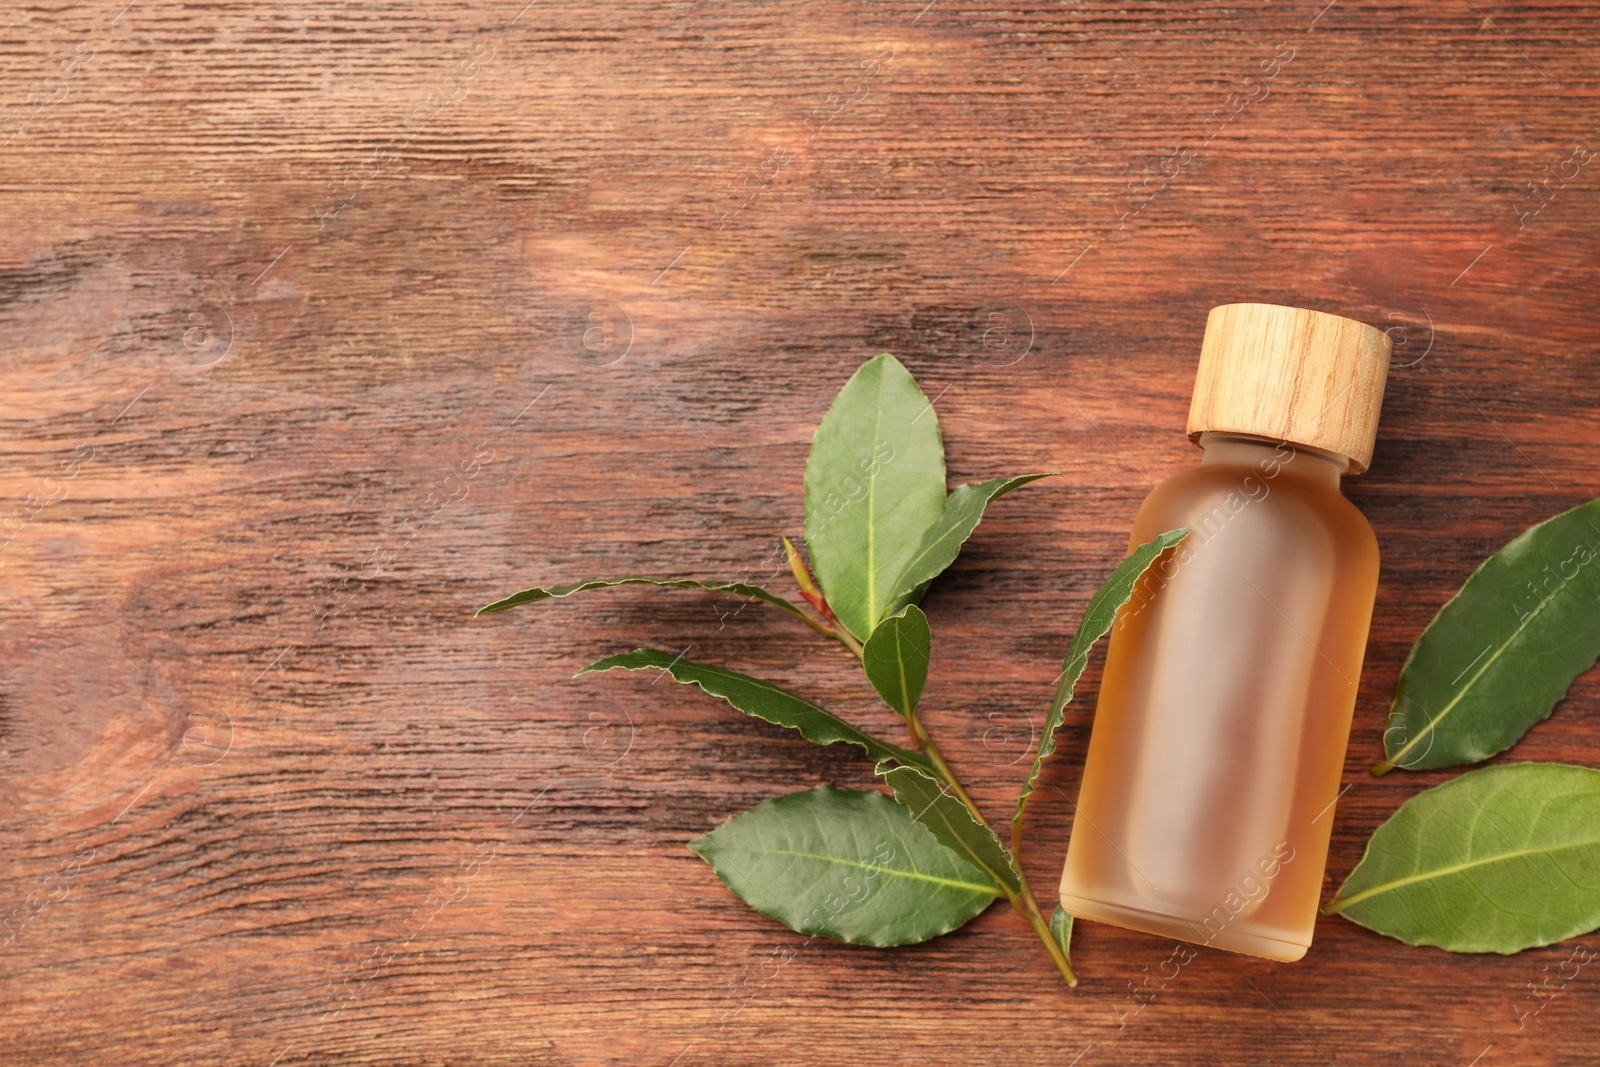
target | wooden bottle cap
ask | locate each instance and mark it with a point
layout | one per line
(1306, 377)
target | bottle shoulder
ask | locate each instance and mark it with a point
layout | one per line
(1273, 501)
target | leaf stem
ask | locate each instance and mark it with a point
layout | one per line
(845, 639)
(920, 734)
(1025, 903)
(1041, 926)
(838, 634)
(830, 626)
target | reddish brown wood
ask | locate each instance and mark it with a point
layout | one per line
(625, 254)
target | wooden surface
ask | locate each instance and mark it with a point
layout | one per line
(276, 276)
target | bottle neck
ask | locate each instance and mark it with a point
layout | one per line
(1274, 456)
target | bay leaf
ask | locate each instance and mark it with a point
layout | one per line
(874, 485)
(1113, 593)
(744, 589)
(1496, 860)
(941, 544)
(951, 822)
(762, 700)
(846, 864)
(1061, 930)
(1503, 651)
(896, 656)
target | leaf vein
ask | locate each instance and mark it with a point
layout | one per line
(1457, 868)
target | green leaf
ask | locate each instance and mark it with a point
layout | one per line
(845, 864)
(952, 824)
(874, 485)
(762, 700)
(963, 510)
(744, 589)
(1496, 860)
(1061, 930)
(1503, 651)
(1097, 620)
(895, 658)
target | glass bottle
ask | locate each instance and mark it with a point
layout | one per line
(1230, 680)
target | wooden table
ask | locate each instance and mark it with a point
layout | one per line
(323, 324)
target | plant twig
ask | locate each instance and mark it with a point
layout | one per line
(830, 626)
(1024, 902)
(1041, 926)
(839, 634)
(845, 639)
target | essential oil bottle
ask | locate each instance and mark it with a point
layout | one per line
(1219, 736)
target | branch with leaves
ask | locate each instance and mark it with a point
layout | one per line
(1497, 860)
(858, 865)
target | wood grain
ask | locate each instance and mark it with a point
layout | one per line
(276, 275)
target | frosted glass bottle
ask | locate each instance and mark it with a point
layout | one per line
(1220, 732)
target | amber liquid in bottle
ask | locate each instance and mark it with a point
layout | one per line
(1219, 737)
